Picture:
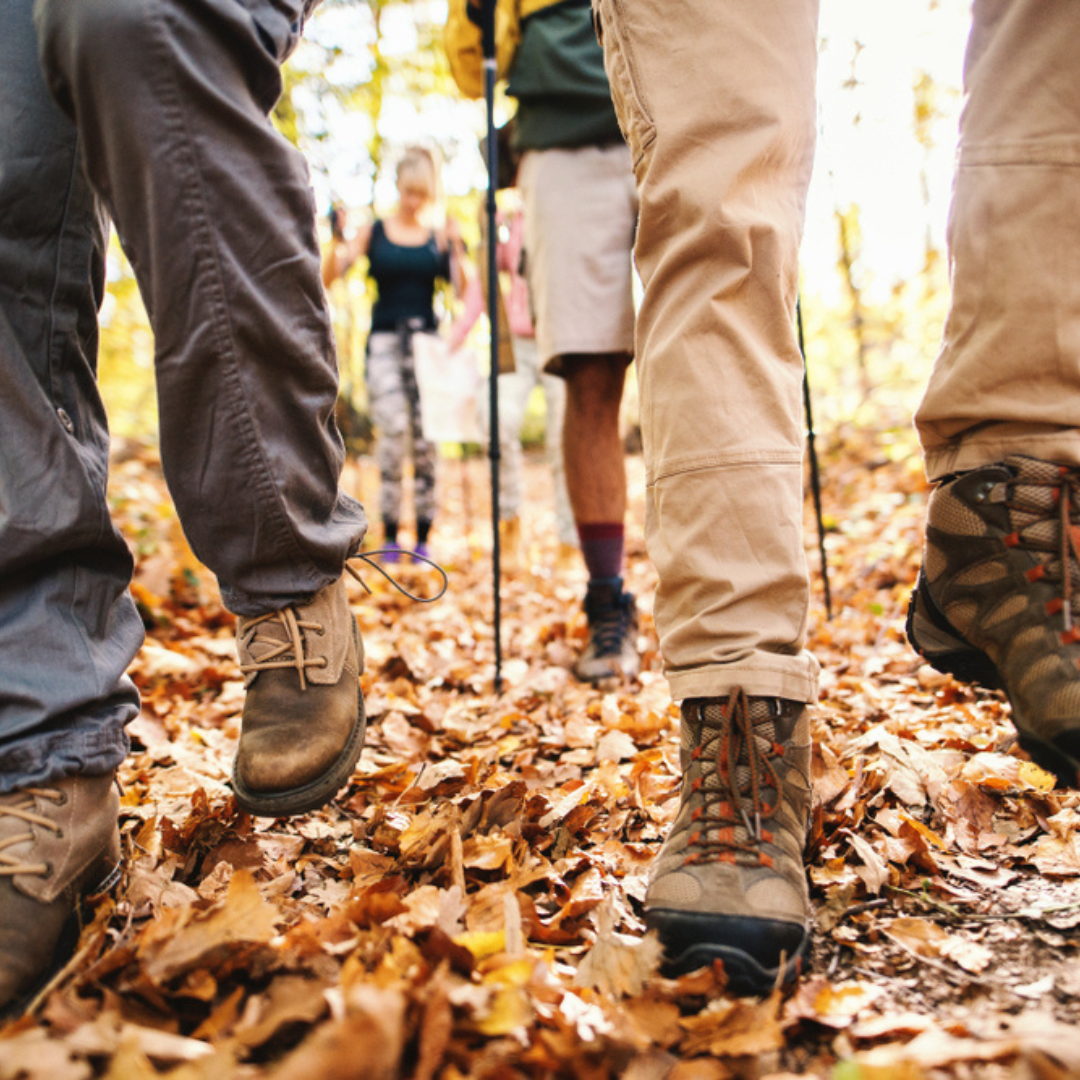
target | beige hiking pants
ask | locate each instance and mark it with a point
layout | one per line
(717, 102)
(716, 99)
(1008, 376)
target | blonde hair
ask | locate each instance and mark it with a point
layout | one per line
(419, 162)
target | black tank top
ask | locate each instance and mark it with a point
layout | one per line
(405, 275)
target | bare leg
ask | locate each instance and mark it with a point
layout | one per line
(592, 447)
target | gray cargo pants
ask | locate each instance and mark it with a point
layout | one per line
(162, 124)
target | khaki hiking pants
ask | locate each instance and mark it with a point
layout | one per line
(1008, 377)
(717, 103)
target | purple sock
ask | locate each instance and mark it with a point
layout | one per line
(602, 548)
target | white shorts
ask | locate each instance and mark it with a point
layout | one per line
(580, 218)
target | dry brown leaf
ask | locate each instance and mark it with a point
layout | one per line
(920, 936)
(288, 999)
(727, 1028)
(874, 870)
(617, 964)
(972, 956)
(171, 947)
(834, 1006)
(366, 1044)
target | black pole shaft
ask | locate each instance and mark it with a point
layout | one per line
(488, 38)
(815, 472)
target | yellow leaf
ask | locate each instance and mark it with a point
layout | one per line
(510, 1010)
(1032, 776)
(482, 943)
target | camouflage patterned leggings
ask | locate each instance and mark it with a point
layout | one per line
(395, 412)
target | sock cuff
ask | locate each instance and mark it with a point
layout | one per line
(601, 530)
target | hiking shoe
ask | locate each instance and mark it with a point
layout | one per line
(303, 721)
(59, 843)
(998, 597)
(729, 883)
(610, 651)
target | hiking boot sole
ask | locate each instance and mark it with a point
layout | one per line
(314, 794)
(938, 642)
(745, 975)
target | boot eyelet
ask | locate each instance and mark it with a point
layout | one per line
(48, 870)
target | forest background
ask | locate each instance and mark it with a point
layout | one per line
(371, 78)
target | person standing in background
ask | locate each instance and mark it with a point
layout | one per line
(580, 214)
(405, 258)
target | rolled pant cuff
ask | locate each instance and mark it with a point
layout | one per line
(794, 678)
(974, 452)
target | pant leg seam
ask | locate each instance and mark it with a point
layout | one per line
(700, 462)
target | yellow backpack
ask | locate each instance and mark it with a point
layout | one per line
(461, 39)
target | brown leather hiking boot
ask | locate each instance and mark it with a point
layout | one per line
(611, 649)
(998, 597)
(59, 843)
(303, 721)
(729, 883)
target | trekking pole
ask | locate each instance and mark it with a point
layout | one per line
(487, 31)
(815, 472)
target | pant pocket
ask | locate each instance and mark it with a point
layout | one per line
(631, 106)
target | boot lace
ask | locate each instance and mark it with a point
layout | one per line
(1045, 513)
(609, 626)
(736, 775)
(289, 651)
(21, 807)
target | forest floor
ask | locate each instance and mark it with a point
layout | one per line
(470, 905)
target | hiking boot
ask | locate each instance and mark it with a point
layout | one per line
(997, 599)
(729, 883)
(59, 843)
(303, 721)
(611, 650)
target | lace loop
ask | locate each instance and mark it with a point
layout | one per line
(369, 558)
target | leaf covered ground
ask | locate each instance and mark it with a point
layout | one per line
(470, 906)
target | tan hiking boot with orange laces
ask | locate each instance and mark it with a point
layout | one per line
(998, 597)
(59, 843)
(729, 883)
(303, 721)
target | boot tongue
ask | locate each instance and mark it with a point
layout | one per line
(765, 725)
